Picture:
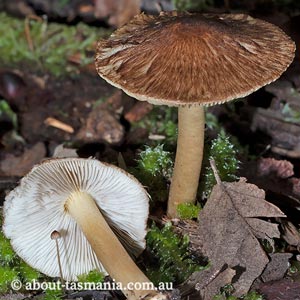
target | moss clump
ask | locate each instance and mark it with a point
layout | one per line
(53, 44)
(53, 294)
(92, 276)
(7, 254)
(224, 154)
(188, 210)
(174, 263)
(155, 161)
(27, 273)
(154, 168)
(7, 275)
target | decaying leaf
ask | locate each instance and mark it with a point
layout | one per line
(227, 234)
(274, 176)
(277, 267)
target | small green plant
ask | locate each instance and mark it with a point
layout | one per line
(174, 263)
(188, 210)
(224, 154)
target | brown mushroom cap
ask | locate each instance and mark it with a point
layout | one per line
(183, 58)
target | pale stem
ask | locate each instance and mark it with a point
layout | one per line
(110, 252)
(188, 161)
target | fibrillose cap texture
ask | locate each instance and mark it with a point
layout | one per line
(183, 58)
(36, 208)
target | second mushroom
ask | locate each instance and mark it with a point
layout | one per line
(89, 204)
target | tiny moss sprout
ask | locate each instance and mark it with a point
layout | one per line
(174, 262)
(224, 153)
(188, 210)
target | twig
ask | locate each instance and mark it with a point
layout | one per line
(215, 170)
(27, 29)
(58, 124)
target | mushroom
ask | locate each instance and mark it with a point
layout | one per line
(88, 203)
(191, 60)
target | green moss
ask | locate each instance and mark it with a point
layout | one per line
(188, 210)
(92, 276)
(53, 294)
(7, 254)
(7, 275)
(53, 44)
(224, 154)
(27, 273)
(174, 263)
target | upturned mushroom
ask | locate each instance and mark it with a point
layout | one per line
(89, 203)
(192, 60)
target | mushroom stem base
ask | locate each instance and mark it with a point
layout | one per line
(110, 252)
(188, 161)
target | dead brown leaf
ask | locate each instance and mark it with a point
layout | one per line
(227, 234)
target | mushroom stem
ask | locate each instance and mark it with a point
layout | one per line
(188, 161)
(113, 256)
